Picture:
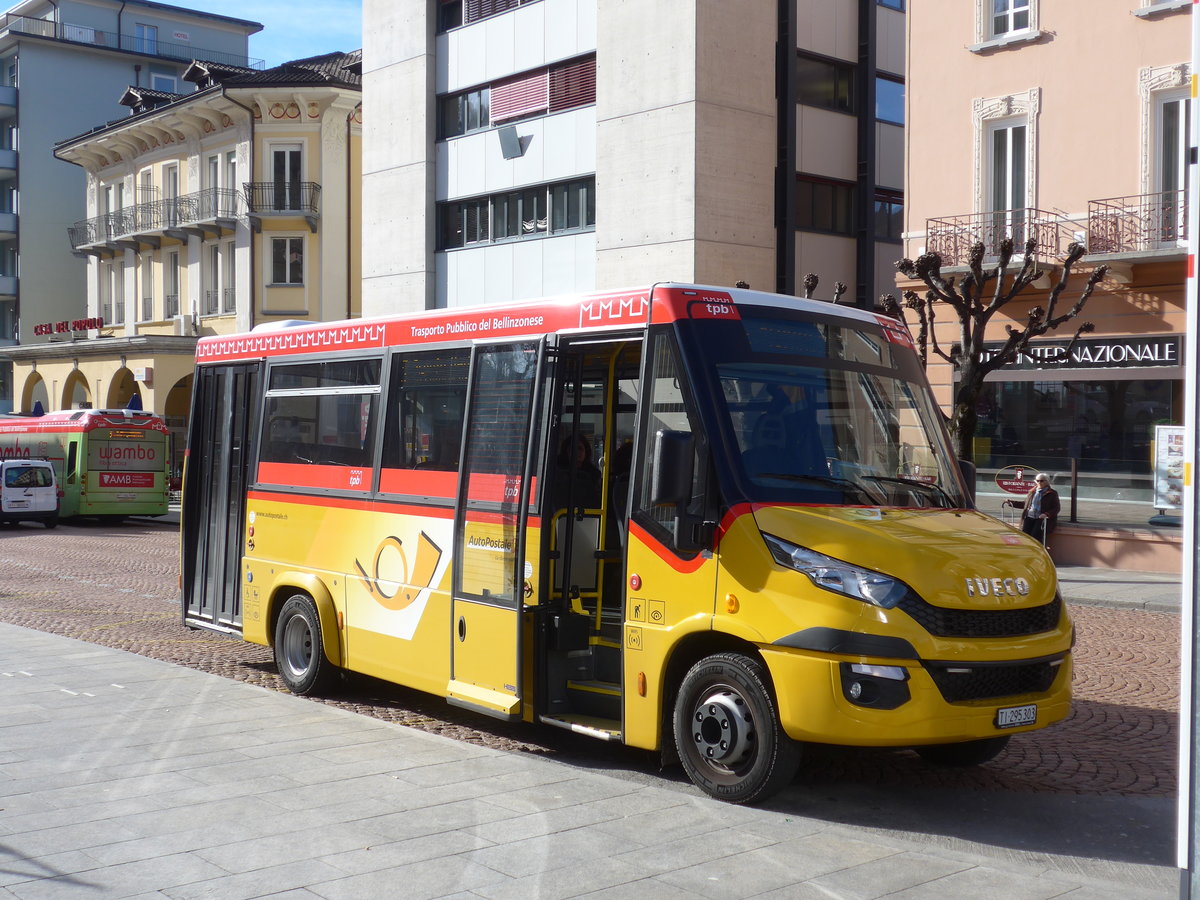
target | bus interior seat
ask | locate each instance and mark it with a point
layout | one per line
(786, 444)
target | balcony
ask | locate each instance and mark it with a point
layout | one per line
(8, 164)
(1142, 224)
(953, 237)
(209, 212)
(94, 37)
(284, 198)
(8, 101)
(8, 226)
(8, 287)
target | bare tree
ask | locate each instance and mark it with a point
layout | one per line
(811, 281)
(975, 299)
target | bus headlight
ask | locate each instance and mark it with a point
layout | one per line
(837, 576)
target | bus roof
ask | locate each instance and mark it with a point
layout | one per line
(82, 420)
(635, 307)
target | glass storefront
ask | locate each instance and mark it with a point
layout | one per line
(1092, 429)
(1106, 426)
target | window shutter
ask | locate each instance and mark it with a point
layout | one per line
(482, 9)
(519, 96)
(573, 84)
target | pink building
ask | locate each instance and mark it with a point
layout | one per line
(1064, 121)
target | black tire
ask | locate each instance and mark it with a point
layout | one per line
(51, 523)
(727, 730)
(965, 754)
(299, 650)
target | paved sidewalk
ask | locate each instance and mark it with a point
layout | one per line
(121, 776)
(1120, 589)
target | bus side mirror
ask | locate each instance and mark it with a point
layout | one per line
(967, 468)
(671, 469)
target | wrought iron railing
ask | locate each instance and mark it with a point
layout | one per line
(280, 197)
(212, 297)
(87, 232)
(147, 309)
(170, 305)
(953, 237)
(157, 215)
(228, 300)
(208, 204)
(1137, 223)
(145, 44)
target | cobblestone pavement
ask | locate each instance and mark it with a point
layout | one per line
(118, 586)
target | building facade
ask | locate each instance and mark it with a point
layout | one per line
(209, 212)
(63, 65)
(537, 147)
(1021, 124)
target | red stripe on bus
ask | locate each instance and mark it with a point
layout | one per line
(684, 566)
(427, 482)
(336, 478)
(610, 309)
(410, 509)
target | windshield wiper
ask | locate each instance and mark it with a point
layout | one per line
(820, 479)
(931, 486)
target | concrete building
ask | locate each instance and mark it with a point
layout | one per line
(536, 147)
(63, 65)
(209, 212)
(1066, 121)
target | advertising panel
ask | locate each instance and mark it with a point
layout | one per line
(1168, 467)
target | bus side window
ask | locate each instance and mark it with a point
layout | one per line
(72, 461)
(669, 412)
(322, 413)
(426, 405)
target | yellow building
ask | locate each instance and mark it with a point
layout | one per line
(211, 212)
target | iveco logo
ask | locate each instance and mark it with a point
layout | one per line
(997, 587)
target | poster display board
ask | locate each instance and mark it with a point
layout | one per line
(1168, 467)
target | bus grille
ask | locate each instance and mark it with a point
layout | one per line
(964, 682)
(985, 623)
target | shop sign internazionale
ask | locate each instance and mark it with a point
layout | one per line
(1101, 353)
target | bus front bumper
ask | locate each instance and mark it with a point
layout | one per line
(814, 697)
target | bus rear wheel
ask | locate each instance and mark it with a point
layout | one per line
(299, 650)
(727, 730)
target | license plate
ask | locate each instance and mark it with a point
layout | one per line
(18, 504)
(127, 496)
(1015, 716)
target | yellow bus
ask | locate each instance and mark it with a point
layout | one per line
(713, 522)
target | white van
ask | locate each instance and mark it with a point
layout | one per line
(28, 492)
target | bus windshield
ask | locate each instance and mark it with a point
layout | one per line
(825, 412)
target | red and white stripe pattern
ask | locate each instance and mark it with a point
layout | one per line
(521, 96)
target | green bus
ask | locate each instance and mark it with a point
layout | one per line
(109, 462)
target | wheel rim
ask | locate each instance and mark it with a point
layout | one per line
(297, 645)
(722, 730)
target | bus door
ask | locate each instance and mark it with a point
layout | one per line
(585, 505)
(495, 487)
(224, 406)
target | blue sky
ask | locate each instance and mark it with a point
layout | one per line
(293, 29)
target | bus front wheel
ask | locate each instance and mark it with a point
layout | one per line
(727, 730)
(299, 651)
